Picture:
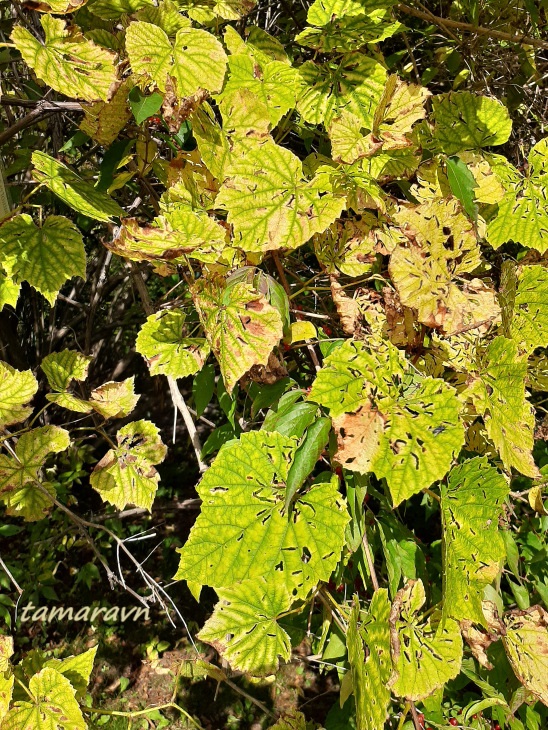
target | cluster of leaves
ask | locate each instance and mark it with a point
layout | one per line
(430, 246)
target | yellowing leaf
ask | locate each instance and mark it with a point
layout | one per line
(244, 628)
(66, 61)
(19, 474)
(61, 368)
(77, 669)
(370, 675)
(529, 318)
(464, 121)
(244, 531)
(126, 474)
(115, 400)
(72, 190)
(178, 233)
(349, 33)
(241, 327)
(269, 203)
(355, 84)
(196, 60)
(535, 500)
(405, 430)
(208, 11)
(9, 290)
(425, 654)
(526, 644)
(322, 12)
(114, 9)
(45, 256)
(168, 351)
(53, 705)
(302, 331)
(473, 548)
(16, 389)
(103, 120)
(497, 390)
(349, 246)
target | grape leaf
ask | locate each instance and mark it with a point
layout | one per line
(464, 121)
(350, 33)
(370, 675)
(66, 61)
(77, 669)
(166, 349)
(244, 628)
(243, 530)
(269, 203)
(473, 548)
(72, 190)
(104, 120)
(425, 654)
(45, 256)
(115, 400)
(196, 60)
(322, 12)
(53, 705)
(17, 387)
(126, 474)
(9, 290)
(405, 430)
(240, 325)
(529, 313)
(19, 474)
(61, 368)
(526, 645)
(115, 9)
(497, 390)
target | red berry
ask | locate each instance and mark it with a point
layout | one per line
(453, 721)
(327, 330)
(496, 726)
(287, 347)
(420, 718)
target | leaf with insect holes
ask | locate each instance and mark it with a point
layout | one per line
(241, 326)
(473, 549)
(104, 120)
(349, 33)
(465, 121)
(529, 312)
(244, 629)
(167, 350)
(66, 61)
(425, 654)
(370, 675)
(243, 530)
(19, 473)
(45, 256)
(270, 204)
(496, 387)
(522, 214)
(399, 426)
(126, 474)
(72, 190)
(526, 645)
(196, 59)
(17, 387)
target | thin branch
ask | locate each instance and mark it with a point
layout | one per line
(444, 23)
(179, 403)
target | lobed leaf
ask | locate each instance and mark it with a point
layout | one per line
(17, 387)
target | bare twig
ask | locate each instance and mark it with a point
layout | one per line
(444, 23)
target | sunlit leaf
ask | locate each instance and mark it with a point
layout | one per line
(16, 390)
(526, 644)
(115, 400)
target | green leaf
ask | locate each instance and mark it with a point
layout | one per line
(115, 400)
(61, 368)
(355, 84)
(462, 184)
(115, 9)
(269, 203)
(370, 675)
(526, 645)
(19, 474)
(241, 327)
(307, 456)
(529, 312)
(196, 60)
(243, 530)
(473, 548)
(322, 12)
(348, 34)
(144, 106)
(209, 11)
(203, 387)
(464, 121)
(45, 256)
(72, 190)
(66, 61)
(16, 389)
(425, 654)
(167, 350)
(126, 474)
(244, 628)
(291, 419)
(53, 705)
(77, 669)
(522, 217)
(497, 390)
(405, 430)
